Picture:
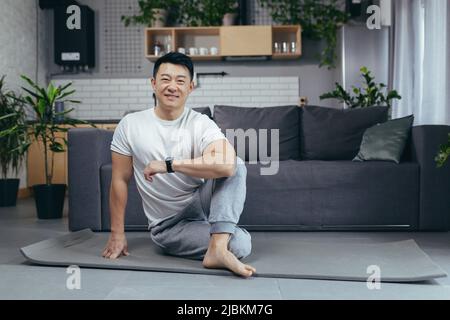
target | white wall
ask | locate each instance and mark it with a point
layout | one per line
(18, 50)
(111, 98)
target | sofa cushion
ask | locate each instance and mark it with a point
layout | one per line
(332, 194)
(336, 134)
(365, 194)
(385, 141)
(279, 200)
(283, 118)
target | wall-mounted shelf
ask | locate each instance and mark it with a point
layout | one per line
(228, 41)
(289, 35)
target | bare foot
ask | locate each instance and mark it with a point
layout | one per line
(217, 258)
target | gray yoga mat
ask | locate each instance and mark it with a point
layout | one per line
(278, 255)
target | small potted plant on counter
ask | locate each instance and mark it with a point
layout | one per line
(44, 128)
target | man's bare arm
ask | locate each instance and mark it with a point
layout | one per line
(218, 160)
(122, 170)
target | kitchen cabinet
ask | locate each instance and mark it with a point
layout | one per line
(35, 159)
(277, 42)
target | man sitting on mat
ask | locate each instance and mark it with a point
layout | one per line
(192, 184)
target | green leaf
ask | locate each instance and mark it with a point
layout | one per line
(35, 86)
(41, 107)
(56, 147)
(35, 95)
(7, 116)
(62, 88)
(51, 92)
(68, 93)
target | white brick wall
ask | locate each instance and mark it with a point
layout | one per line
(111, 98)
(20, 53)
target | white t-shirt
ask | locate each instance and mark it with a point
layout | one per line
(146, 137)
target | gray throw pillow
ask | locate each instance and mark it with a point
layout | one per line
(385, 141)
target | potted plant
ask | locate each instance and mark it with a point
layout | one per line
(49, 197)
(13, 143)
(370, 95)
(208, 12)
(319, 20)
(154, 13)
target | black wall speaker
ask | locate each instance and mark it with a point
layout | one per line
(74, 46)
(50, 4)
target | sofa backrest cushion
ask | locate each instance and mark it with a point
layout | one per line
(283, 118)
(335, 134)
(204, 110)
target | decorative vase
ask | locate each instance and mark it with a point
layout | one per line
(160, 18)
(8, 192)
(49, 200)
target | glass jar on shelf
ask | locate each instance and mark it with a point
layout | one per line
(276, 47)
(168, 44)
(293, 47)
(157, 49)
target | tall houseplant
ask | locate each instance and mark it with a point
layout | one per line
(49, 197)
(13, 143)
(320, 20)
(372, 93)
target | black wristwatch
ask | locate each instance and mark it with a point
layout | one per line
(169, 164)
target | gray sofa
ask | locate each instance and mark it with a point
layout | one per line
(306, 193)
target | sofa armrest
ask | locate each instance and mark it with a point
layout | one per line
(88, 150)
(434, 182)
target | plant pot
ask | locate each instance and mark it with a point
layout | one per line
(229, 19)
(8, 192)
(160, 18)
(49, 200)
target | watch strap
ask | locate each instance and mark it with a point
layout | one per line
(169, 165)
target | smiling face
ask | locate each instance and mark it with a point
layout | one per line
(172, 86)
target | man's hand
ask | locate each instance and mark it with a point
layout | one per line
(153, 168)
(116, 246)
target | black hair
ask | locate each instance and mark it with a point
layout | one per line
(175, 58)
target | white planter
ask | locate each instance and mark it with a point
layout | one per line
(229, 19)
(160, 16)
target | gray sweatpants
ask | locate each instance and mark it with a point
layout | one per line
(216, 208)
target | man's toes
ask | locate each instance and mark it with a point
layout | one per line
(246, 273)
(248, 267)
